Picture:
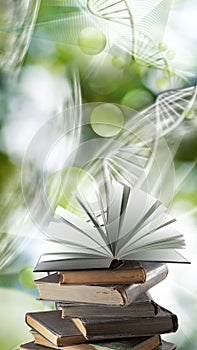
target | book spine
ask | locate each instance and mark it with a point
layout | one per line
(138, 310)
(153, 277)
(129, 276)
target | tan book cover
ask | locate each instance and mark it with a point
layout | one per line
(124, 273)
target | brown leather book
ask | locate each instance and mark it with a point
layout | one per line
(164, 322)
(57, 330)
(124, 273)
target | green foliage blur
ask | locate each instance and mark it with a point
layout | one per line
(27, 101)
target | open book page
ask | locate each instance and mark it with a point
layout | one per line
(58, 232)
(157, 255)
(163, 236)
(81, 225)
(52, 247)
(138, 205)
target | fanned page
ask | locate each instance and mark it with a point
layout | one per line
(158, 255)
(95, 233)
(114, 195)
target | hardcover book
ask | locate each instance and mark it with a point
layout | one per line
(141, 343)
(164, 346)
(143, 305)
(57, 330)
(132, 226)
(163, 322)
(50, 289)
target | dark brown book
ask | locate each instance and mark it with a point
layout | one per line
(124, 273)
(32, 346)
(142, 306)
(140, 343)
(50, 289)
(51, 325)
(164, 322)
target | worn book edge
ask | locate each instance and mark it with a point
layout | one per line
(126, 272)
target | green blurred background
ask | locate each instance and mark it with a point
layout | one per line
(30, 97)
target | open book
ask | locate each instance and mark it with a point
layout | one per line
(133, 226)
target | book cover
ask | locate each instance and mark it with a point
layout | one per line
(164, 322)
(57, 330)
(50, 289)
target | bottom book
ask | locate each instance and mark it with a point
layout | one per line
(163, 346)
(139, 343)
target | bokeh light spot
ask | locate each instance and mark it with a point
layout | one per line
(107, 120)
(91, 41)
(138, 99)
(26, 277)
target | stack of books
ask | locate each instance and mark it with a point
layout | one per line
(97, 278)
(104, 308)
